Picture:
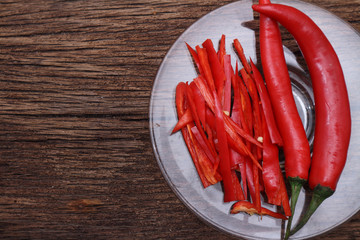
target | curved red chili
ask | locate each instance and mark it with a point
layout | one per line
(332, 108)
(296, 146)
(295, 143)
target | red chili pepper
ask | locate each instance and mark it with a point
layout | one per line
(257, 133)
(237, 116)
(222, 51)
(205, 91)
(236, 143)
(332, 108)
(252, 172)
(184, 120)
(273, 180)
(233, 139)
(242, 57)
(274, 183)
(241, 132)
(229, 72)
(295, 143)
(256, 198)
(215, 105)
(209, 99)
(208, 151)
(205, 66)
(181, 106)
(205, 164)
(210, 134)
(247, 121)
(267, 108)
(257, 126)
(199, 103)
(214, 138)
(221, 54)
(216, 68)
(195, 58)
(225, 169)
(239, 194)
(249, 208)
(191, 101)
(180, 99)
(237, 113)
(285, 198)
(250, 177)
(272, 172)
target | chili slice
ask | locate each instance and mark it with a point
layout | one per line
(249, 208)
(267, 107)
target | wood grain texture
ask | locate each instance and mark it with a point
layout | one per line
(76, 160)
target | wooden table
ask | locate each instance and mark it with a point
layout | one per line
(76, 160)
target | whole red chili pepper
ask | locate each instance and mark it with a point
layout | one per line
(295, 142)
(332, 108)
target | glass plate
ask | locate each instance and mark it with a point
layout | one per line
(171, 152)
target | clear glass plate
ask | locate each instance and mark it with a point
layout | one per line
(171, 152)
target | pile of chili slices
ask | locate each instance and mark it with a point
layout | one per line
(228, 125)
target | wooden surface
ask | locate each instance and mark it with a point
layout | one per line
(76, 160)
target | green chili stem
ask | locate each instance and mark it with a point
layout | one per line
(296, 185)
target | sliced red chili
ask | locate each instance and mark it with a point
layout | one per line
(249, 208)
(216, 68)
(205, 163)
(267, 108)
(272, 172)
(209, 99)
(195, 58)
(191, 100)
(233, 138)
(181, 106)
(222, 50)
(237, 186)
(205, 66)
(199, 103)
(229, 72)
(208, 151)
(183, 121)
(225, 169)
(255, 105)
(242, 57)
(247, 122)
(237, 116)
